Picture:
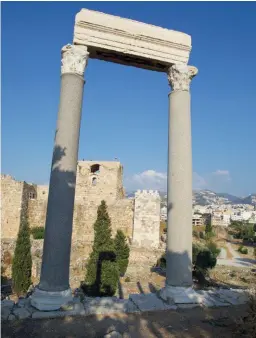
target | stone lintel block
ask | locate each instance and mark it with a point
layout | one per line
(126, 41)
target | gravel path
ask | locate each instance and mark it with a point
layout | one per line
(236, 261)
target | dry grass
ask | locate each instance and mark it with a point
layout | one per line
(233, 276)
(246, 325)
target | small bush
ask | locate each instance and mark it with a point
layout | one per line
(37, 232)
(127, 279)
(242, 250)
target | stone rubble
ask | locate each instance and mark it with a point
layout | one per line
(136, 303)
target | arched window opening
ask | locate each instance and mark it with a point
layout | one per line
(94, 181)
(31, 195)
(95, 169)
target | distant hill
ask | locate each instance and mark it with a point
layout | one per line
(206, 197)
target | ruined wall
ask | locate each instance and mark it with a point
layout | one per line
(11, 199)
(146, 219)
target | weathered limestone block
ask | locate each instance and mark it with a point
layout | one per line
(146, 219)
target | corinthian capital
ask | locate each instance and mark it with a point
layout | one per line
(74, 59)
(180, 76)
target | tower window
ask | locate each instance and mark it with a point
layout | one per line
(31, 195)
(94, 181)
(95, 169)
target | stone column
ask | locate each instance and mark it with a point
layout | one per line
(53, 290)
(179, 189)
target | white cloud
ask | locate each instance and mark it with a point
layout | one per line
(221, 172)
(151, 179)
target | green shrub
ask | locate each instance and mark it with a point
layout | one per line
(254, 251)
(127, 279)
(203, 258)
(37, 232)
(102, 269)
(22, 261)
(122, 251)
(243, 250)
(213, 248)
(208, 228)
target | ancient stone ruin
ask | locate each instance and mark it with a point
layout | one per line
(115, 39)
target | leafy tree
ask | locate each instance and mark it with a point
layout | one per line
(22, 261)
(208, 228)
(102, 269)
(122, 251)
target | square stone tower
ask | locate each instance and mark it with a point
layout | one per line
(97, 181)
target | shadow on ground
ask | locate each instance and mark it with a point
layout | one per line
(197, 322)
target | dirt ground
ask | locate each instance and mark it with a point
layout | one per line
(197, 323)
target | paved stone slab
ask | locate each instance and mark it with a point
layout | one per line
(187, 306)
(150, 302)
(180, 295)
(107, 305)
(234, 297)
(211, 299)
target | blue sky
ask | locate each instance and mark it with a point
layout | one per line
(125, 109)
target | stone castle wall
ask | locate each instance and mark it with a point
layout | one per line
(138, 218)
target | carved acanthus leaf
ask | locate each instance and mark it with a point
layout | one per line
(180, 76)
(74, 59)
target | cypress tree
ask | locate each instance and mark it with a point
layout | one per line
(102, 269)
(122, 251)
(22, 260)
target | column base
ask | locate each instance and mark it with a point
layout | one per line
(50, 300)
(179, 295)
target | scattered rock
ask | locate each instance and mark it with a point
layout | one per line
(113, 334)
(23, 302)
(5, 312)
(7, 303)
(11, 317)
(67, 307)
(22, 313)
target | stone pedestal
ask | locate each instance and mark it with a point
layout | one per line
(179, 189)
(54, 290)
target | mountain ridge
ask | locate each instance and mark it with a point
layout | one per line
(206, 197)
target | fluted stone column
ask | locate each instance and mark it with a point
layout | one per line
(179, 189)
(54, 289)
